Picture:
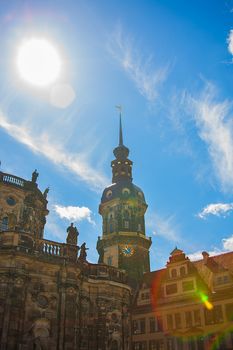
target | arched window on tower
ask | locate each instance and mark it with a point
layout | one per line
(122, 170)
(126, 219)
(4, 225)
(111, 227)
(111, 222)
(110, 216)
(126, 224)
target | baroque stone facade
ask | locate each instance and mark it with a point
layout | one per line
(49, 297)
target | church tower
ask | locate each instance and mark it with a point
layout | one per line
(124, 243)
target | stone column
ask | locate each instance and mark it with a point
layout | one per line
(6, 318)
(61, 311)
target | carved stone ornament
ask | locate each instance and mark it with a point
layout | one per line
(42, 301)
(30, 199)
(71, 291)
(19, 282)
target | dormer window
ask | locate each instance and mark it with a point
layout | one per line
(222, 279)
(171, 289)
(123, 169)
(125, 191)
(173, 273)
(187, 285)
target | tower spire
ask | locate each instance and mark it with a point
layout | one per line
(120, 152)
(121, 166)
(120, 126)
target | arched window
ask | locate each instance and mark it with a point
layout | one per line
(109, 194)
(125, 191)
(111, 216)
(4, 225)
(182, 271)
(173, 273)
(122, 170)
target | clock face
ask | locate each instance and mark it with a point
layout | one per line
(128, 250)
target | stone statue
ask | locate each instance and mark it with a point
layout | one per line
(83, 252)
(72, 236)
(46, 191)
(35, 175)
(101, 255)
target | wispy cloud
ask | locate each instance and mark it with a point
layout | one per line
(198, 255)
(215, 127)
(74, 213)
(163, 226)
(228, 243)
(217, 209)
(230, 42)
(140, 69)
(43, 143)
(227, 246)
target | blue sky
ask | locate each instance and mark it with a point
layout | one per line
(169, 64)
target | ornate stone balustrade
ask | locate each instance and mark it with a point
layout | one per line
(12, 180)
(102, 271)
(24, 241)
(52, 248)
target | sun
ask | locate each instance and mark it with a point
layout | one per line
(38, 62)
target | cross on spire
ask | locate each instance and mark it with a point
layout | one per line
(119, 108)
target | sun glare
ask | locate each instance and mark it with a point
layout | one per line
(38, 62)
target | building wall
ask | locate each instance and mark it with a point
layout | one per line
(49, 297)
(60, 304)
(192, 316)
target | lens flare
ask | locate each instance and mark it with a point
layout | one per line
(204, 298)
(38, 62)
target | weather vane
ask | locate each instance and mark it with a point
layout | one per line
(119, 108)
